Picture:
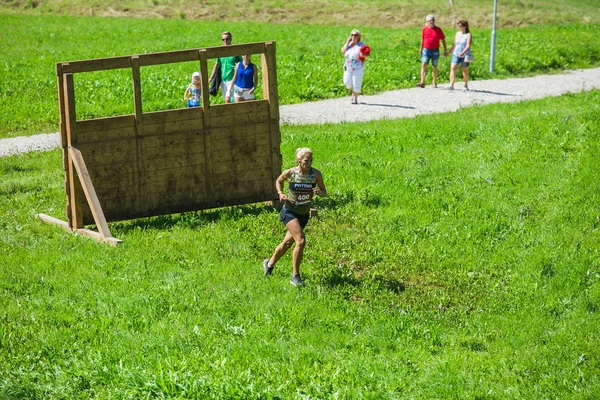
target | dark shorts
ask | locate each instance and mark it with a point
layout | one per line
(286, 216)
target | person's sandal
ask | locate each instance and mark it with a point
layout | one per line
(421, 85)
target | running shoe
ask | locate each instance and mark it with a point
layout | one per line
(268, 270)
(296, 280)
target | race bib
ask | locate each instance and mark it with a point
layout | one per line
(303, 192)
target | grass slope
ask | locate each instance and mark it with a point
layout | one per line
(308, 61)
(456, 257)
(373, 13)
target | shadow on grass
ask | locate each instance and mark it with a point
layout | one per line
(195, 219)
(339, 277)
(335, 200)
(344, 277)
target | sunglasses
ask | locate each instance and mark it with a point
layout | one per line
(226, 39)
(354, 34)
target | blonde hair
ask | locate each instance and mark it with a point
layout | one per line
(357, 32)
(301, 152)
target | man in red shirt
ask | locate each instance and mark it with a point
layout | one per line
(430, 49)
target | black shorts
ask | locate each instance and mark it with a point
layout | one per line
(286, 216)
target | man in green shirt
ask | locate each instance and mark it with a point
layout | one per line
(227, 68)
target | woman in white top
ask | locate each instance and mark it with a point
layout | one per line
(354, 66)
(461, 48)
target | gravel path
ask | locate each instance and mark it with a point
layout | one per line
(394, 104)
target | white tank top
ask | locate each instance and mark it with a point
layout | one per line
(460, 42)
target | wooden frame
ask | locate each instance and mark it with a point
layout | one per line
(155, 163)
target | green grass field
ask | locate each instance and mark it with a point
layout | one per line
(308, 61)
(456, 257)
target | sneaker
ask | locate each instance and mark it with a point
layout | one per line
(421, 85)
(296, 280)
(451, 88)
(267, 268)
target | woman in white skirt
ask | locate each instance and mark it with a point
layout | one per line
(355, 52)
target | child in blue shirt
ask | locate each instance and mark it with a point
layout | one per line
(193, 93)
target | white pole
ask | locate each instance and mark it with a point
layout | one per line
(493, 47)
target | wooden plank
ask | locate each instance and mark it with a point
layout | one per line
(111, 172)
(54, 221)
(181, 114)
(97, 64)
(195, 160)
(61, 105)
(123, 184)
(276, 159)
(239, 154)
(250, 137)
(162, 206)
(187, 125)
(168, 57)
(63, 137)
(241, 119)
(107, 135)
(111, 241)
(250, 192)
(235, 50)
(118, 208)
(245, 170)
(90, 192)
(204, 80)
(100, 124)
(75, 200)
(100, 64)
(246, 107)
(269, 72)
(179, 144)
(139, 126)
(84, 232)
(169, 179)
(106, 153)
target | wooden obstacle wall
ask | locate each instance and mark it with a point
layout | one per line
(154, 163)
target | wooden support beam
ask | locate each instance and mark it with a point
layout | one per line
(139, 130)
(204, 79)
(83, 232)
(90, 192)
(63, 137)
(76, 204)
(270, 80)
(235, 50)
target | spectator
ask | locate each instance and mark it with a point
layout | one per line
(461, 52)
(193, 93)
(354, 66)
(431, 35)
(245, 78)
(227, 67)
